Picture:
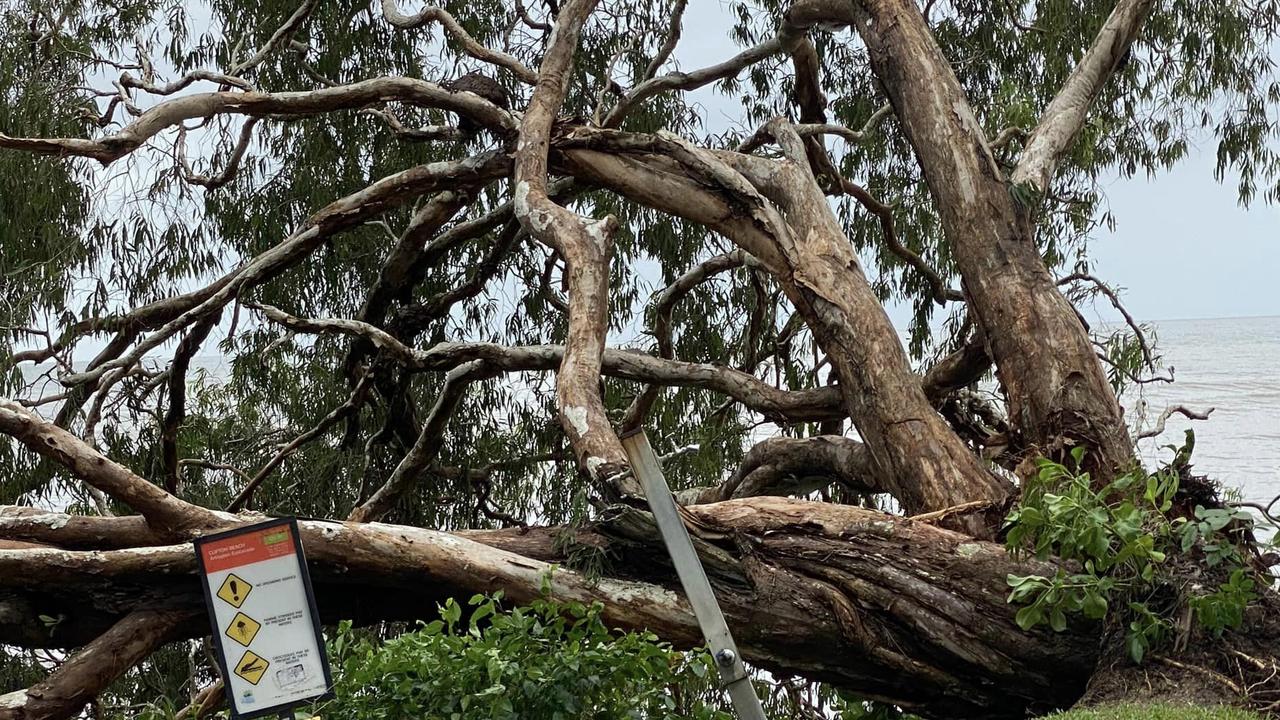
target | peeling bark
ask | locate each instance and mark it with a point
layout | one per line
(1058, 393)
(587, 247)
(897, 609)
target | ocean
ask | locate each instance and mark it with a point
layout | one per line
(1233, 366)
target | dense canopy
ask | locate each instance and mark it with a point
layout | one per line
(421, 265)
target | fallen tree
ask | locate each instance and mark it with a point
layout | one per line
(378, 371)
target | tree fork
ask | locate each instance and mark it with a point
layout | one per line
(1058, 392)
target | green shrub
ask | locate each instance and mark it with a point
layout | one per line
(542, 662)
(1157, 712)
(1122, 543)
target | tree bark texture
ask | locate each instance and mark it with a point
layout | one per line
(901, 610)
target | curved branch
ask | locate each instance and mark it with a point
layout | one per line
(816, 129)
(1105, 289)
(941, 293)
(802, 15)
(793, 466)
(437, 14)
(666, 302)
(255, 104)
(669, 44)
(282, 36)
(587, 247)
(176, 413)
(233, 160)
(1170, 412)
(404, 264)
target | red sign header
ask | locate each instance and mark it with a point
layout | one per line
(250, 547)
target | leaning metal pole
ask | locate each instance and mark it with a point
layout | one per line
(733, 675)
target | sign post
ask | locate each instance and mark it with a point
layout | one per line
(693, 578)
(265, 626)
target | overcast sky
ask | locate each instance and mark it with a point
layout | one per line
(1182, 247)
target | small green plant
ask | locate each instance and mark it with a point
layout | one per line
(1118, 539)
(545, 661)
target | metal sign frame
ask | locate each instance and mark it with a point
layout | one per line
(693, 578)
(282, 710)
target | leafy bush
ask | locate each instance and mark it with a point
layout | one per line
(1120, 538)
(1156, 712)
(545, 661)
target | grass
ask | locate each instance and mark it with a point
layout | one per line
(1157, 712)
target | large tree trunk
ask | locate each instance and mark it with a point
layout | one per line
(789, 228)
(895, 609)
(1057, 392)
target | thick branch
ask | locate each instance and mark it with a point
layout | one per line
(587, 247)
(793, 466)
(892, 609)
(1066, 114)
(810, 256)
(88, 672)
(162, 510)
(1058, 393)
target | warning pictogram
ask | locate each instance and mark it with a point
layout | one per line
(234, 590)
(243, 629)
(263, 617)
(251, 667)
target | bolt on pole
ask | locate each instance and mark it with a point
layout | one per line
(693, 578)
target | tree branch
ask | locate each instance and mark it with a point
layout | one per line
(802, 15)
(352, 405)
(335, 217)
(437, 14)
(666, 302)
(229, 171)
(177, 410)
(781, 405)
(162, 510)
(793, 466)
(88, 673)
(279, 38)
(255, 104)
(424, 451)
(1066, 114)
(1169, 412)
(587, 247)
(1103, 288)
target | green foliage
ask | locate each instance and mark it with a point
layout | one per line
(541, 662)
(1157, 712)
(1118, 540)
